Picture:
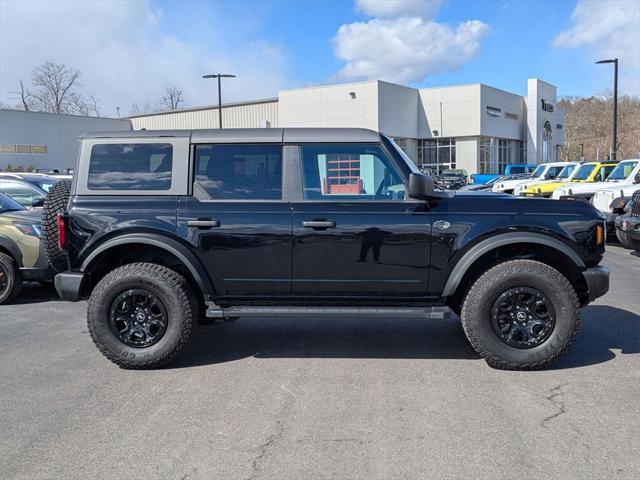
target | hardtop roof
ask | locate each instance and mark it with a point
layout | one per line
(250, 135)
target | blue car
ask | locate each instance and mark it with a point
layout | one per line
(478, 178)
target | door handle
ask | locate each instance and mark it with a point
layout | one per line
(203, 223)
(319, 224)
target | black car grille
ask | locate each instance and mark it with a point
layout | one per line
(635, 204)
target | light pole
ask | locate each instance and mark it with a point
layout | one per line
(614, 146)
(219, 76)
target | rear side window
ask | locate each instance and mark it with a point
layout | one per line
(516, 169)
(130, 166)
(240, 172)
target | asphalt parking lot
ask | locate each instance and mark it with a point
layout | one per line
(317, 398)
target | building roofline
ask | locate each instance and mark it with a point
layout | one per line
(206, 107)
(31, 112)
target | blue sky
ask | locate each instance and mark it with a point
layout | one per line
(128, 51)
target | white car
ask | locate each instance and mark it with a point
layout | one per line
(626, 172)
(565, 175)
(544, 171)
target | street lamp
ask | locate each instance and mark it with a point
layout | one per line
(614, 146)
(219, 76)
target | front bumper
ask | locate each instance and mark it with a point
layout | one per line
(597, 279)
(69, 285)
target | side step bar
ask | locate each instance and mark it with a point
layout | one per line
(434, 313)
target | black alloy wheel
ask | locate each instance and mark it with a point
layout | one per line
(4, 280)
(138, 318)
(523, 317)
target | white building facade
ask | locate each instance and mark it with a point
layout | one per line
(46, 141)
(473, 127)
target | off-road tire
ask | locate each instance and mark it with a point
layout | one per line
(174, 291)
(14, 279)
(623, 238)
(55, 203)
(476, 314)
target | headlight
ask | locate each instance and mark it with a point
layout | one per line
(28, 229)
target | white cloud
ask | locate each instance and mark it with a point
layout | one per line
(426, 9)
(124, 54)
(406, 48)
(608, 29)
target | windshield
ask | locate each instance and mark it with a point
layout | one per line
(44, 184)
(583, 172)
(622, 171)
(565, 172)
(8, 204)
(538, 171)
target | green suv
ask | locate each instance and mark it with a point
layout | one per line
(21, 255)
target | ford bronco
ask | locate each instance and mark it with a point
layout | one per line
(162, 228)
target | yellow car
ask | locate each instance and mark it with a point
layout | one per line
(587, 172)
(22, 256)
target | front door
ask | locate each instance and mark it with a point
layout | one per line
(237, 220)
(354, 233)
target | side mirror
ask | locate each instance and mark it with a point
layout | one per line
(420, 186)
(37, 202)
(637, 179)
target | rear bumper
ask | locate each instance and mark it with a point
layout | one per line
(597, 279)
(69, 285)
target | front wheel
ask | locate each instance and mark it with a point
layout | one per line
(521, 315)
(140, 315)
(624, 238)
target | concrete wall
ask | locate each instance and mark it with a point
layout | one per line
(240, 115)
(537, 90)
(345, 105)
(460, 107)
(509, 121)
(398, 110)
(57, 132)
(468, 153)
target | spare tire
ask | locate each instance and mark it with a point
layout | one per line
(54, 204)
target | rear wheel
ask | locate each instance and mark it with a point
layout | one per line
(10, 279)
(140, 315)
(521, 315)
(54, 204)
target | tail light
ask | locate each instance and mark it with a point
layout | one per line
(62, 232)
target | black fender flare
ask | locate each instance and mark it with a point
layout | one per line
(10, 246)
(491, 243)
(188, 258)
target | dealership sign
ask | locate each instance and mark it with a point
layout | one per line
(547, 107)
(494, 111)
(497, 112)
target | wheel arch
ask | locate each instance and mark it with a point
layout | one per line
(9, 247)
(172, 248)
(533, 245)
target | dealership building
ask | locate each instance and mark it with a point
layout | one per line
(473, 127)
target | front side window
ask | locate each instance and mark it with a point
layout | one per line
(239, 172)
(130, 166)
(346, 172)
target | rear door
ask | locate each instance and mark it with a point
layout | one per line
(237, 220)
(355, 235)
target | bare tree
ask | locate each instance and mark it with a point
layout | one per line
(26, 98)
(141, 108)
(56, 85)
(172, 99)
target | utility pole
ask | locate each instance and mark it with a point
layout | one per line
(614, 141)
(219, 76)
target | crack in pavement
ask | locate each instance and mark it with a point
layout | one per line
(553, 396)
(265, 446)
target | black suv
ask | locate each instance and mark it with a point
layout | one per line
(160, 228)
